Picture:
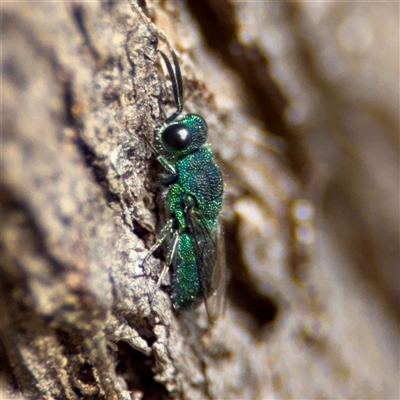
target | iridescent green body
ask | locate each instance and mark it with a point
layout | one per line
(197, 176)
(193, 200)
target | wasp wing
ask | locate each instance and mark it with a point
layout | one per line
(215, 300)
(210, 255)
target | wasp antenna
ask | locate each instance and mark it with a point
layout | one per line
(176, 85)
(178, 81)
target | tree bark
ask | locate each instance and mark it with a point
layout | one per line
(81, 204)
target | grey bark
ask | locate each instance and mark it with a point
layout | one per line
(80, 201)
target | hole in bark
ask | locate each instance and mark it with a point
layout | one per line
(263, 308)
(141, 231)
(85, 373)
(242, 292)
(136, 369)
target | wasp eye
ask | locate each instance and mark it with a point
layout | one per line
(177, 136)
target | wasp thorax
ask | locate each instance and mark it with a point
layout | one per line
(177, 136)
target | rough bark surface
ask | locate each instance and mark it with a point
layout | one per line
(311, 212)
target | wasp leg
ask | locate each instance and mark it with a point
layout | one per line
(161, 237)
(162, 160)
(167, 165)
(171, 255)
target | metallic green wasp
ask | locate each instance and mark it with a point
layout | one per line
(193, 199)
